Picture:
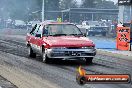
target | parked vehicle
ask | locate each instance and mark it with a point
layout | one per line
(55, 41)
(94, 28)
(19, 24)
(33, 23)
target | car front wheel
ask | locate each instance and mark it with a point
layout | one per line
(45, 58)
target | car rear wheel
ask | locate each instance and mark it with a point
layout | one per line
(30, 52)
(89, 60)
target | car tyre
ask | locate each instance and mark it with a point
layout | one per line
(31, 53)
(89, 60)
(45, 58)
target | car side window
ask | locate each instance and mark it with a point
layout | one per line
(36, 30)
(33, 29)
(45, 30)
(39, 32)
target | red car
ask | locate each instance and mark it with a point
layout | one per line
(54, 41)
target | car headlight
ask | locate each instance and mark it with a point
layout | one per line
(84, 47)
(90, 47)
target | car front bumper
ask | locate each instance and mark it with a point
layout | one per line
(70, 53)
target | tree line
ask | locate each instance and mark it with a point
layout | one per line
(27, 9)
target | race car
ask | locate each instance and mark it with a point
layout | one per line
(53, 41)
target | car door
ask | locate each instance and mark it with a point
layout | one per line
(39, 39)
(30, 37)
(33, 38)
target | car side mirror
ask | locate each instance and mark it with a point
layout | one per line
(85, 34)
(38, 35)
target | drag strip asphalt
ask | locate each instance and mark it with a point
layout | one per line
(61, 74)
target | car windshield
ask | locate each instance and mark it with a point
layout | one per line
(62, 30)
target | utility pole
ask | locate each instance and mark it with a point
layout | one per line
(43, 14)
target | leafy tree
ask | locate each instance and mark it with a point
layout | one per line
(88, 3)
(26, 9)
(106, 5)
(66, 4)
(100, 4)
(16, 9)
(50, 5)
